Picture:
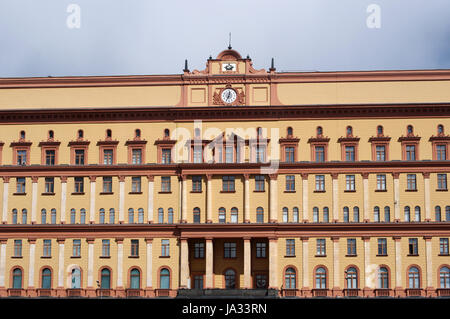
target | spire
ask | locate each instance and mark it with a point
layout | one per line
(272, 65)
(186, 69)
(229, 42)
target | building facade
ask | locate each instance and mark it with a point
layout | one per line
(310, 183)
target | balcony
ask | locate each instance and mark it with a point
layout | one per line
(73, 292)
(351, 292)
(13, 292)
(382, 292)
(414, 292)
(133, 292)
(289, 292)
(320, 292)
(42, 292)
(162, 292)
(443, 292)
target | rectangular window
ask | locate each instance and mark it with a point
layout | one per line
(290, 183)
(108, 155)
(76, 248)
(105, 248)
(410, 152)
(198, 154)
(199, 250)
(136, 156)
(321, 247)
(107, 184)
(136, 184)
(442, 181)
(411, 181)
(382, 247)
(165, 184)
(196, 184)
(289, 154)
(320, 183)
(79, 157)
(259, 183)
(413, 246)
(443, 246)
(290, 247)
(381, 182)
(441, 152)
(380, 151)
(18, 248)
(47, 248)
(49, 184)
(21, 157)
(319, 153)
(260, 154)
(228, 184)
(351, 246)
(229, 250)
(49, 157)
(20, 185)
(165, 248)
(229, 154)
(198, 282)
(134, 247)
(350, 182)
(260, 250)
(349, 153)
(79, 185)
(166, 156)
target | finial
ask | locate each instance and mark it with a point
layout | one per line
(186, 66)
(272, 65)
(229, 43)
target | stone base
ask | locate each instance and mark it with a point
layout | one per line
(149, 292)
(368, 292)
(337, 292)
(31, 292)
(60, 292)
(306, 292)
(430, 292)
(399, 292)
(3, 292)
(120, 293)
(91, 292)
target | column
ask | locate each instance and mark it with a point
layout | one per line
(60, 286)
(149, 266)
(121, 199)
(428, 284)
(34, 189)
(337, 291)
(151, 180)
(396, 197)
(365, 177)
(399, 291)
(369, 279)
(426, 180)
(92, 199)
(306, 292)
(273, 262)
(31, 265)
(63, 199)
(335, 190)
(273, 214)
(119, 286)
(3, 291)
(305, 197)
(209, 263)
(246, 198)
(247, 263)
(5, 199)
(183, 179)
(90, 273)
(184, 263)
(209, 198)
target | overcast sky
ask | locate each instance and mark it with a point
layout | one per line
(127, 37)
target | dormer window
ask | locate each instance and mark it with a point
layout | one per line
(319, 131)
(80, 134)
(409, 130)
(290, 132)
(166, 133)
(22, 135)
(137, 133)
(349, 131)
(51, 135)
(108, 133)
(379, 130)
(440, 129)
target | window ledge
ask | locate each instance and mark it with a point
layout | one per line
(164, 256)
(106, 193)
(46, 257)
(351, 255)
(228, 191)
(47, 194)
(75, 256)
(316, 191)
(255, 191)
(135, 193)
(441, 190)
(410, 190)
(350, 191)
(289, 256)
(17, 257)
(74, 193)
(320, 255)
(289, 191)
(381, 255)
(133, 256)
(412, 255)
(20, 194)
(197, 192)
(105, 257)
(164, 192)
(444, 254)
(381, 190)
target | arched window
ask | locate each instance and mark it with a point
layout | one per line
(164, 279)
(409, 130)
(356, 214)
(444, 277)
(102, 216)
(105, 281)
(346, 215)
(290, 131)
(351, 277)
(407, 212)
(166, 133)
(80, 134)
(22, 135)
(196, 215)
(380, 130)
(319, 131)
(285, 214)
(326, 215)
(43, 216)
(17, 278)
(376, 214)
(75, 279)
(437, 213)
(417, 214)
(230, 279)
(170, 215)
(234, 215)
(130, 215)
(440, 129)
(387, 214)
(290, 278)
(383, 278)
(51, 135)
(222, 215)
(447, 213)
(260, 215)
(135, 279)
(24, 216)
(112, 215)
(315, 214)
(73, 215)
(140, 215)
(46, 279)
(14, 216)
(137, 133)
(321, 278)
(82, 216)
(295, 214)
(108, 133)
(160, 215)
(53, 216)
(414, 278)
(349, 131)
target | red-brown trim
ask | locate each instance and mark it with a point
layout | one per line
(358, 274)
(158, 283)
(407, 276)
(327, 276)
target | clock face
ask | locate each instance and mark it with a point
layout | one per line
(229, 67)
(229, 96)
